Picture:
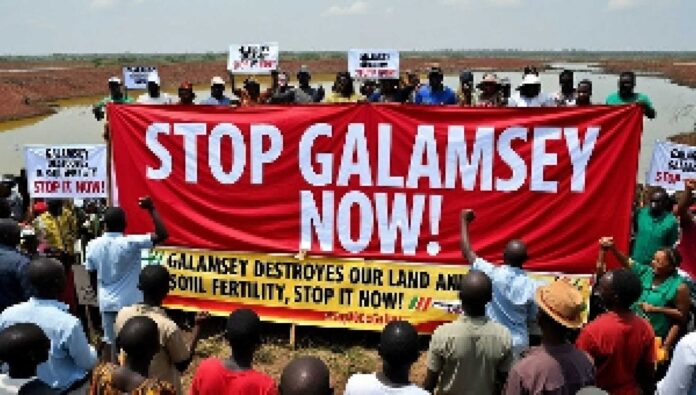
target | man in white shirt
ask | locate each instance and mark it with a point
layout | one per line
(153, 95)
(529, 94)
(681, 376)
(398, 347)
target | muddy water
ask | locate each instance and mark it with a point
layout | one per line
(74, 122)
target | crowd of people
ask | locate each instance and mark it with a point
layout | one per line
(491, 91)
(514, 334)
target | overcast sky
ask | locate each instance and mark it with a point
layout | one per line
(87, 26)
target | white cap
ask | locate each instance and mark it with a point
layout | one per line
(115, 79)
(217, 81)
(153, 77)
(531, 79)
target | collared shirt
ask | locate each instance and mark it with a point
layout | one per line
(163, 98)
(211, 101)
(14, 283)
(173, 347)
(541, 100)
(116, 259)
(426, 95)
(212, 377)
(513, 303)
(558, 370)
(681, 376)
(616, 99)
(71, 357)
(653, 233)
(469, 354)
(369, 384)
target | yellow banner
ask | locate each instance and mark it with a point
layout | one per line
(320, 291)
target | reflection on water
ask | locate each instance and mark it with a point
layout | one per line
(74, 122)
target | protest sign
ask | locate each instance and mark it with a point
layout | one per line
(135, 77)
(671, 165)
(253, 58)
(373, 63)
(384, 185)
(66, 171)
(83, 288)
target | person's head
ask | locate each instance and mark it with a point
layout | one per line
(560, 308)
(475, 291)
(55, 207)
(584, 93)
(243, 332)
(253, 88)
(505, 87)
(368, 87)
(530, 70)
(305, 375)
(531, 86)
(344, 84)
(398, 346)
(466, 81)
(389, 86)
(620, 289)
(283, 79)
(217, 87)
(659, 202)
(115, 219)
(9, 232)
(489, 85)
(23, 347)
(47, 277)
(186, 94)
(153, 85)
(515, 253)
(565, 80)
(304, 76)
(627, 82)
(154, 282)
(115, 87)
(411, 78)
(435, 77)
(5, 209)
(665, 262)
(139, 339)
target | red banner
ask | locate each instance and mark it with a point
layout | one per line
(382, 182)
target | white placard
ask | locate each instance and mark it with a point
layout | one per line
(373, 63)
(671, 165)
(83, 287)
(66, 171)
(135, 77)
(253, 58)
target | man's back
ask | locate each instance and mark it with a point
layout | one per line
(470, 353)
(213, 378)
(369, 384)
(618, 344)
(14, 284)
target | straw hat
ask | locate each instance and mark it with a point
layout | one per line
(562, 302)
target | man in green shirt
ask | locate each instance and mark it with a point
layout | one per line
(656, 227)
(627, 95)
(116, 95)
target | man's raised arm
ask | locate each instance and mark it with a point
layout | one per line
(467, 216)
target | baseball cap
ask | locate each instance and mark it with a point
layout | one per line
(154, 78)
(115, 79)
(217, 80)
(303, 69)
(186, 85)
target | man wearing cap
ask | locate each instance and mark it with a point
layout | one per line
(435, 93)
(186, 94)
(490, 95)
(627, 95)
(557, 366)
(153, 94)
(116, 95)
(465, 96)
(217, 93)
(530, 95)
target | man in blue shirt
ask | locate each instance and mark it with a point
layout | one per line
(217, 93)
(14, 284)
(435, 93)
(113, 262)
(71, 357)
(513, 303)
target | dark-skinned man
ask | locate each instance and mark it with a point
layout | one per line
(398, 348)
(217, 93)
(113, 262)
(14, 282)
(627, 95)
(583, 94)
(435, 93)
(116, 95)
(655, 227)
(305, 375)
(154, 95)
(567, 95)
(175, 352)
(471, 355)
(23, 347)
(513, 303)
(71, 357)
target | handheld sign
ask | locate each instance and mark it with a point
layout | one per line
(135, 77)
(253, 58)
(671, 165)
(66, 171)
(373, 63)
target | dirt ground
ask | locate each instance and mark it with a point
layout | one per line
(29, 87)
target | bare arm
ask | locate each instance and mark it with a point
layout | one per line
(430, 381)
(685, 217)
(466, 217)
(678, 315)
(645, 373)
(161, 233)
(195, 337)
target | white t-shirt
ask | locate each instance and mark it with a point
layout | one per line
(541, 100)
(369, 384)
(10, 386)
(163, 98)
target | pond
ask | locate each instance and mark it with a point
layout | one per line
(74, 122)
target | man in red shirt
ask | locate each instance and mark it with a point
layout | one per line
(235, 376)
(621, 343)
(687, 243)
